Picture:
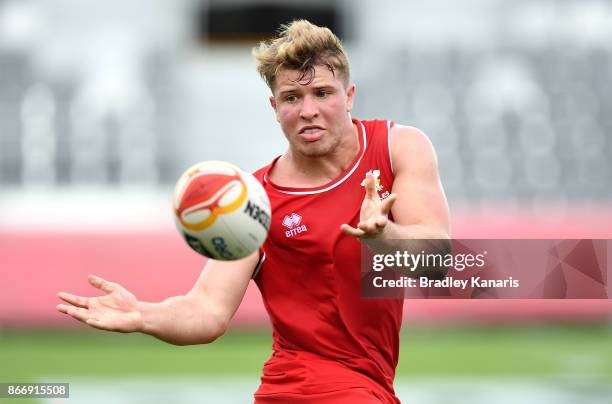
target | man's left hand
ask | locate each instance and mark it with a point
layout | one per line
(374, 215)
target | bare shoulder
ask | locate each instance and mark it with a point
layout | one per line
(420, 195)
(411, 149)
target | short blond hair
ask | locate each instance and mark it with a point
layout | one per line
(301, 46)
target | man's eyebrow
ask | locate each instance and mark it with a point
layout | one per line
(293, 89)
(285, 90)
(323, 87)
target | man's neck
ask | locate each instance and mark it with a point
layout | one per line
(301, 171)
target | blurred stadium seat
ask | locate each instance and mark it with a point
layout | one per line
(527, 118)
(517, 108)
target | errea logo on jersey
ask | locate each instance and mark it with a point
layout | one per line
(292, 223)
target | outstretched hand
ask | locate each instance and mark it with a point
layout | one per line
(374, 215)
(116, 310)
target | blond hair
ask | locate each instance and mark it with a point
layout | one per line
(301, 46)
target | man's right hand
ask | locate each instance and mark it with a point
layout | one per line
(116, 310)
(198, 317)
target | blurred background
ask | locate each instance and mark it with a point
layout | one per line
(104, 104)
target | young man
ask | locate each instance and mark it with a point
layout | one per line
(341, 182)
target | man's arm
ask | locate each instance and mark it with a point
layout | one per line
(417, 201)
(199, 317)
(420, 210)
(203, 314)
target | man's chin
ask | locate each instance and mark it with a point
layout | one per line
(315, 150)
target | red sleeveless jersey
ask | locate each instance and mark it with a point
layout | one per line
(327, 339)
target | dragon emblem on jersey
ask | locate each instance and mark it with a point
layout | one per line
(376, 175)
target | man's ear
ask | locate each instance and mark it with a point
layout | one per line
(273, 105)
(350, 94)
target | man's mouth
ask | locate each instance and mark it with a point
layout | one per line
(311, 133)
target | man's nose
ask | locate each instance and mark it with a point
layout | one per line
(309, 109)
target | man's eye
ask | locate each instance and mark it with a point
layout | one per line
(322, 94)
(291, 98)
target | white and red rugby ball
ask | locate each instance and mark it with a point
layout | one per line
(221, 211)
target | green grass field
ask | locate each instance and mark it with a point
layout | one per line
(519, 352)
(28, 355)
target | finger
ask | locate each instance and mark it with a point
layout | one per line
(351, 231)
(368, 226)
(96, 323)
(63, 308)
(381, 222)
(75, 312)
(102, 284)
(370, 186)
(75, 300)
(387, 204)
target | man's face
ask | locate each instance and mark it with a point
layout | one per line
(313, 116)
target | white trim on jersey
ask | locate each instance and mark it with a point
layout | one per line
(334, 185)
(389, 145)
